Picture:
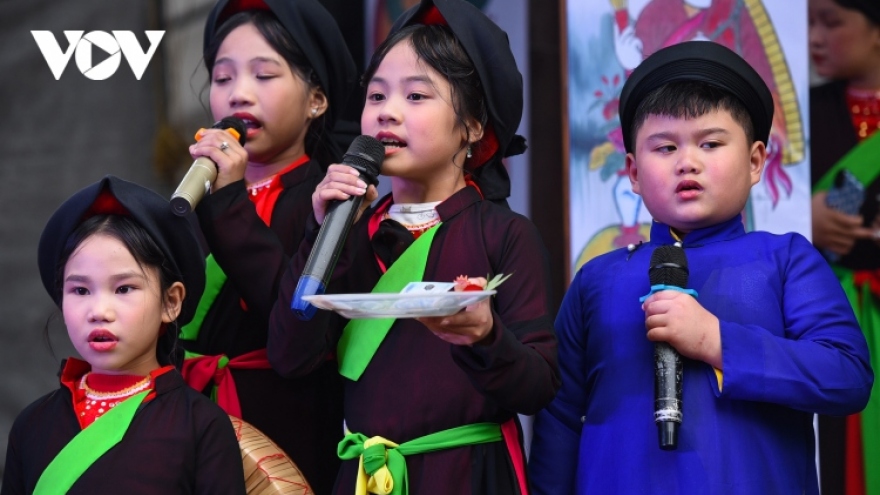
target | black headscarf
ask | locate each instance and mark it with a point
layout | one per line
(315, 32)
(488, 47)
(173, 234)
(703, 61)
(871, 8)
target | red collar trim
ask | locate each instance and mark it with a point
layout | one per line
(74, 369)
(470, 181)
(382, 208)
(378, 215)
(296, 163)
(373, 225)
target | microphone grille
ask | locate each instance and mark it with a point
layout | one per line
(365, 153)
(669, 266)
(233, 123)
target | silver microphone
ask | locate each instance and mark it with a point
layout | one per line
(203, 172)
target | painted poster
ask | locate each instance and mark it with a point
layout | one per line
(607, 39)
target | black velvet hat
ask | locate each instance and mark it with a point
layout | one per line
(174, 234)
(871, 8)
(703, 61)
(488, 47)
(315, 32)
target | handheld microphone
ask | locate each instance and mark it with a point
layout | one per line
(365, 154)
(668, 269)
(203, 172)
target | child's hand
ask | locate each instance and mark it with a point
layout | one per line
(467, 327)
(679, 320)
(340, 183)
(833, 230)
(231, 158)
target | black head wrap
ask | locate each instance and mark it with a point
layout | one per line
(870, 8)
(173, 234)
(703, 61)
(315, 32)
(488, 47)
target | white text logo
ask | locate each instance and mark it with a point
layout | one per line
(119, 44)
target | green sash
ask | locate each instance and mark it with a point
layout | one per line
(863, 161)
(214, 280)
(380, 453)
(865, 304)
(362, 337)
(87, 447)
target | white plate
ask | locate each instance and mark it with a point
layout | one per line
(397, 305)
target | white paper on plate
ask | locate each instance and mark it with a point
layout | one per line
(428, 287)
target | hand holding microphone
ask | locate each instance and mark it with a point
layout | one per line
(364, 155)
(203, 172)
(680, 326)
(668, 271)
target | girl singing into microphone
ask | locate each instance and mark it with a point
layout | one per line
(281, 66)
(431, 404)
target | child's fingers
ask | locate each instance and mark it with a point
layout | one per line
(219, 140)
(369, 197)
(229, 157)
(216, 142)
(213, 142)
(222, 158)
(334, 190)
(345, 179)
(340, 183)
(864, 233)
(372, 194)
(466, 327)
(845, 220)
(663, 295)
(326, 195)
(341, 167)
(339, 170)
(660, 302)
(658, 335)
(655, 322)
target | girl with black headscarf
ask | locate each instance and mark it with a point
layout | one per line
(124, 271)
(281, 66)
(431, 402)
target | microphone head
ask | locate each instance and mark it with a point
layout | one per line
(669, 266)
(233, 123)
(365, 154)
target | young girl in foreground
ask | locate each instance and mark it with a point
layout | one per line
(125, 271)
(444, 96)
(290, 85)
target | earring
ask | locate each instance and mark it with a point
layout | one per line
(314, 112)
(470, 152)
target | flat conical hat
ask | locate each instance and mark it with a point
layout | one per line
(267, 469)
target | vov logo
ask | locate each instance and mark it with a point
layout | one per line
(119, 44)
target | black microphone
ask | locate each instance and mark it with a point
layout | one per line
(203, 172)
(365, 155)
(669, 269)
